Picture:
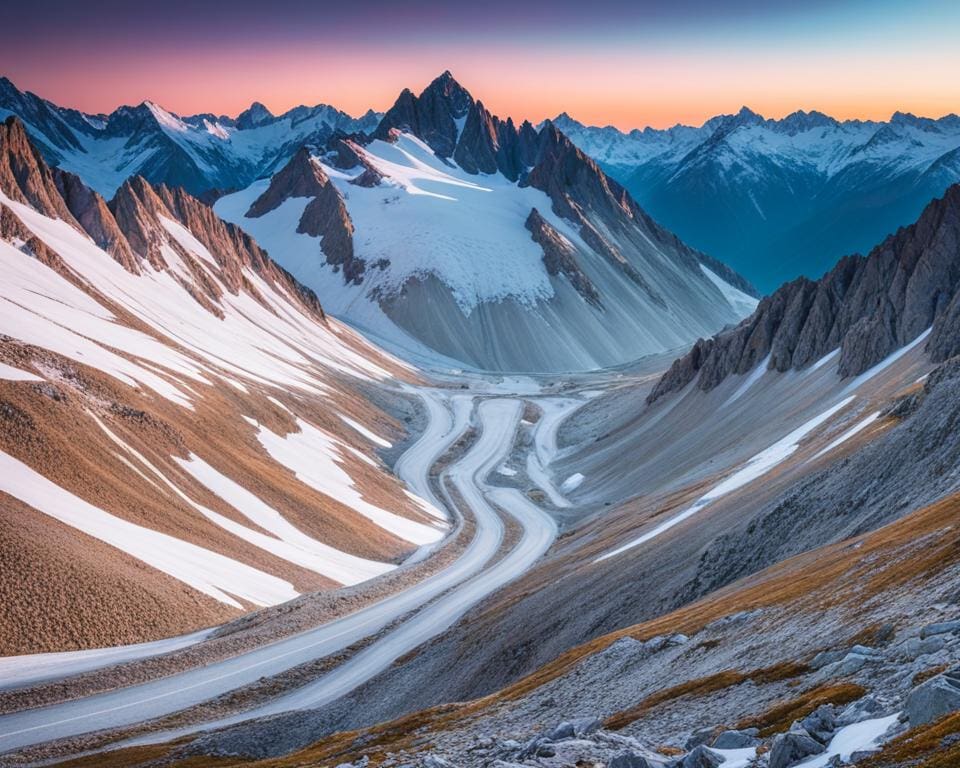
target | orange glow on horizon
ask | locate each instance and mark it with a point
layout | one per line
(627, 91)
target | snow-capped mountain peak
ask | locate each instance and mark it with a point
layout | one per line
(451, 232)
(254, 115)
(201, 153)
(779, 198)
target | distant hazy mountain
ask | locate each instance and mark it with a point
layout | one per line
(779, 198)
(452, 232)
(200, 153)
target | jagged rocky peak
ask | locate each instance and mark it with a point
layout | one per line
(800, 121)
(25, 177)
(325, 215)
(136, 207)
(867, 306)
(254, 115)
(95, 218)
(300, 177)
(432, 116)
(572, 180)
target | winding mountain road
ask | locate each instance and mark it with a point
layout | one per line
(446, 595)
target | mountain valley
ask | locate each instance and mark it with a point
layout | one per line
(417, 439)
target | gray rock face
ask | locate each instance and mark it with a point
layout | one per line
(735, 740)
(868, 306)
(701, 757)
(559, 256)
(325, 216)
(935, 698)
(790, 748)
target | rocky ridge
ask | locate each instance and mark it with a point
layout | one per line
(129, 227)
(865, 306)
(325, 216)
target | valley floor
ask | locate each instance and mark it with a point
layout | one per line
(577, 586)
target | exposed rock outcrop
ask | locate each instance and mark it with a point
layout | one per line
(130, 227)
(25, 177)
(585, 195)
(95, 218)
(325, 216)
(432, 115)
(559, 256)
(867, 306)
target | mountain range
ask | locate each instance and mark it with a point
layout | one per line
(200, 153)
(451, 232)
(777, 199)
(437, 227)
(418, 441)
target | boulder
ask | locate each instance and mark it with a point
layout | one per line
(573, 729)
(821, 723)
(630, 760)
(862, 709)
(824, 658)
(935, 698)
(941, 628)
(920, 646)
(701, 757)
(700, 736)
(735, 740)
(790, 748)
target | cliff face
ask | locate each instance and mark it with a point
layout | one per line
(560, 257)
(867, 306)
(325, 216)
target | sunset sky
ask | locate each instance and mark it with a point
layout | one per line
(629, 64)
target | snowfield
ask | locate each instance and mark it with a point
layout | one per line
(314, 457)
(453, 276)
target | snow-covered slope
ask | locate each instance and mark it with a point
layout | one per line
(200, 153)
(176, 413)
(498, 247)
(780, 198)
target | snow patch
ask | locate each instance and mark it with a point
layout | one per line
(371, 436)
(741, 303)
(290, 543)
(854, 430)
(10, 373)
(859, 737)
(756, 467)
(314, 456)
(755, 375)
(213, 574)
